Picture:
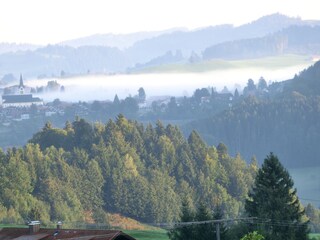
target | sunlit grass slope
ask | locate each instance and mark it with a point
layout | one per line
(274, 62)
(148, 234)
(314, 236)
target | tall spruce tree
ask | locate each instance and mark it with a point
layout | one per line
(273, 200)
(197, 230)
(218, 215)
(206, 230)
(187, 215)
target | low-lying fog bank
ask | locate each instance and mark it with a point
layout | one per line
(104, 87)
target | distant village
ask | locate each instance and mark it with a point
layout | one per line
(18, 102)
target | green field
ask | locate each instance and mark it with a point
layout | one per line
(148, 234)
(162, 235)
(274, 62)
(13, 226)
(314, 236)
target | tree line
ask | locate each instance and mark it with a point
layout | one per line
(272, 209)
(255, 126)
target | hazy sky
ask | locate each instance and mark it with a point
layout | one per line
(52, 21)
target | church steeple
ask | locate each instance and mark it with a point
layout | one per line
(21, 86)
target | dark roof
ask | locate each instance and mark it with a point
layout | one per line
(19, 98)
(46, 234)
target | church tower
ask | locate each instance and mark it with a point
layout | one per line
(21, 86)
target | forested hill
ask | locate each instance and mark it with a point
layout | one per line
(82, 171)
(285, 119)
(302, 40)
(306, 83)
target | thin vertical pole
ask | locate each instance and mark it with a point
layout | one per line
(218, 230)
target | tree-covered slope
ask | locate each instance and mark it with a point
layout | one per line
(285, 119)
(79, 173)
(307, 82)
(302, 40)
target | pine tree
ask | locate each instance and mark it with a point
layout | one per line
(218, 215)
(184, 232)
(204, 230)
(198, 148)
(142, 94)
(273, 200)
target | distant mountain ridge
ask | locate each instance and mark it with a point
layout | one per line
(14, 47)
(198, 40)
(121, 41)
(53, 59)
(292, 40)
(142, 50)
(207, 35)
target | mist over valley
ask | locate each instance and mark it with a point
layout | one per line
(181, 126)
(105, 87)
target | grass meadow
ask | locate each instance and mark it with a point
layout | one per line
(274, 62)
(307, 182)
(148, 234)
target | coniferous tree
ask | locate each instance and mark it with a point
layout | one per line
(116, 101)
(204, 230)
(184, 232)
(236, 94)
(273, 200)
(142, 94)
(218, 215)
(198, 148)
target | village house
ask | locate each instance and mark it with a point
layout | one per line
(35, 232)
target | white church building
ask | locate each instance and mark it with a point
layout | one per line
(20, 99)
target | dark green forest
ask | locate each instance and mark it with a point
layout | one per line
(288, 125)
(84, 170)
(284, 119)
(272, 206)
